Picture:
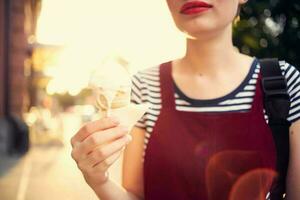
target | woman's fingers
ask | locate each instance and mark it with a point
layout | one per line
(91, 127)
(102, 153)
(105, 164)
(96, 146)
(101, 138)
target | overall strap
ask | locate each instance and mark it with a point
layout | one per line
(277, 104)
(277, 100)
(167, 86)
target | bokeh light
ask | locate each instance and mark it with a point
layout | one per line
(141, 32)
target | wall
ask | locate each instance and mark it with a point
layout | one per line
(18, 48)
(1, 56)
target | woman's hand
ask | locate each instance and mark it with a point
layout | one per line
(96, 146)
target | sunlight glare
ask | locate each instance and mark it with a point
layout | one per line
(140, 31)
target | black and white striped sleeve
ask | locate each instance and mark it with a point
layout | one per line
(292, 76)
(137, 97)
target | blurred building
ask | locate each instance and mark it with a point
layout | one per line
(17, 20)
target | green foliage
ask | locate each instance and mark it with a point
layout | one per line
(270, 28)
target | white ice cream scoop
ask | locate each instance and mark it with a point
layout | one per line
(111, 84)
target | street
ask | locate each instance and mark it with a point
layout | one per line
(48, 172)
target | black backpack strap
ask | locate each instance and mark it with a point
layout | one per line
(277, 105)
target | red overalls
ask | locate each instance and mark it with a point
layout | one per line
(202, 156)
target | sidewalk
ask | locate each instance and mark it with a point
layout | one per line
(47, 173)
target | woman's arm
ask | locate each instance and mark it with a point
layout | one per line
(113, 191)
(293, 176)
(132, 178)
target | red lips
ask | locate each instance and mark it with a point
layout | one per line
(194, 7)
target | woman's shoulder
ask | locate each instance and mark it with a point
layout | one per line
(292, 76)
(149, 72)
(145, 84)
(147, 77)
(287, 69)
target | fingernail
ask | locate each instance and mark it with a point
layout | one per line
(115, 120)
(129, 138)
(124, 128)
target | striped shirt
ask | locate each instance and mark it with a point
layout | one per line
(146, 89)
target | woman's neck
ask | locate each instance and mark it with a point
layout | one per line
(208, 55)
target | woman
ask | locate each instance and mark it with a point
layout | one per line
(195, 142)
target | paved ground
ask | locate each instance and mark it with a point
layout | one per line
(47, 172)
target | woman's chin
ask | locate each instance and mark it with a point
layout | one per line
(199, 31)
(198, 34)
